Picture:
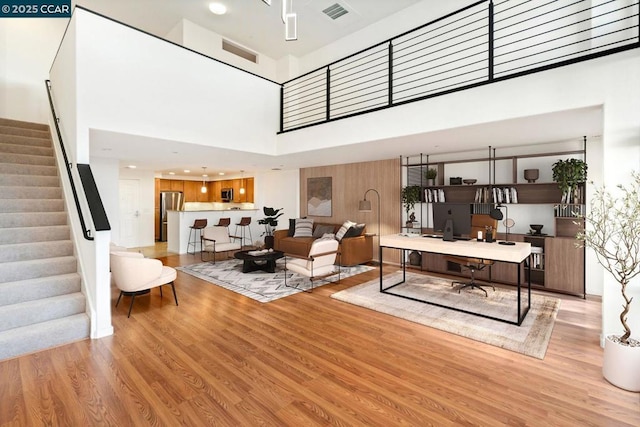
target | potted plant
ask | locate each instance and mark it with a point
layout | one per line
(612, 231)
(430, 175)
(410, 196)
(270, 221)
(569, 174)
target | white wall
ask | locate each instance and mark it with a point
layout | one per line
(27, 49)
(202, 40)
(133, 83)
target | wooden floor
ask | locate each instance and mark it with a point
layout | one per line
(307, 360)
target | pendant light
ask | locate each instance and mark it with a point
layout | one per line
(203, 189)
(242, 190)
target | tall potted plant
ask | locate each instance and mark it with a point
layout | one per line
(569, 174)
(270, 222)
(612, 231)
(410, 196)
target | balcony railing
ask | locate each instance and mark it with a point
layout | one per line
(479, 44)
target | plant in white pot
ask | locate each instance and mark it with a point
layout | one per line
(612, 231)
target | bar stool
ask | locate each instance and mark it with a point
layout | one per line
(224, 222)
(244, 224)
(195, 234)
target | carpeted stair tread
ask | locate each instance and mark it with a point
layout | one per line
(31, 338)
(41, 310)
(30, 192)
(33, 133)
(23, 124)
(11, 192)
(25, 149)
(24, 140)
(37, 250)
(32, 219)
(31, 269)
(42, 287)
(28, 159)
(34, 234)
(28, 170)
(32, 205)
(22, 180)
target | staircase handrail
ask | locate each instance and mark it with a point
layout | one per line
(91, 193)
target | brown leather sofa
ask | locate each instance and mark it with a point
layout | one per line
(353, 250)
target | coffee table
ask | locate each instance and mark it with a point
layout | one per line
(265, 261)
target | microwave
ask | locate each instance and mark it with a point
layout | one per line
(227, 194)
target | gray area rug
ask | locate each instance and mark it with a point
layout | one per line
(531, 338)
(259, 285)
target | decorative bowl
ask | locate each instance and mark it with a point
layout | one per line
(536, 228)
(469, 181)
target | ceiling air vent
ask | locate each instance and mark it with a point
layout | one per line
(239, 51)
(335, 11)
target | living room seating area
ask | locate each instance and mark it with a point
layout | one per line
(355, 245)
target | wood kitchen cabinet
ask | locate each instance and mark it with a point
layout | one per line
(191, 190)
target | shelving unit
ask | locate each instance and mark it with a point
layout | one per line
(558, 254)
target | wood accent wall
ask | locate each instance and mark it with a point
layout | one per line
(349, 183)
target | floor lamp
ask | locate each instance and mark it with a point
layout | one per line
(365, 206)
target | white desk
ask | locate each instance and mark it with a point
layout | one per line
(515, 254)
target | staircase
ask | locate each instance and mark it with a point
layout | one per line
(41, 303)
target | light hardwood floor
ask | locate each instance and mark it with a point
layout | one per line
(307, 360)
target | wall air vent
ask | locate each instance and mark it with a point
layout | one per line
(335, 11)
(239, 51)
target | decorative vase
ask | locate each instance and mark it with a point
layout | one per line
(268, 242)
(415, 258)
(621, 364)
(431, 182)
(531, 175)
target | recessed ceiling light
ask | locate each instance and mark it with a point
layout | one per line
(131, 166)
(172, 173)
(187, 171)
(221, 173)
(217, 8)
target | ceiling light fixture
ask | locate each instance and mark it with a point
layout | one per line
(289, 18)
(203, 189)
(217, 8)
(242, 190)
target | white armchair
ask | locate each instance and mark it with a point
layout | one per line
(135, 275)
(318, 264)
(217, 239)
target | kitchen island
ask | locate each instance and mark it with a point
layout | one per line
(178, 223)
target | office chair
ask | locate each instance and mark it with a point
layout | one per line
(479, 222)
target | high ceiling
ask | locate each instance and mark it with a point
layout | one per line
(258, 26)
(252, 23)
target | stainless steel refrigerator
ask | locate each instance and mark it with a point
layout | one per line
(169, 201)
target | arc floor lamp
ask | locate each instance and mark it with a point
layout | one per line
(365, 206)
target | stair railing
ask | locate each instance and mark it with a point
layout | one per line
(91, 193)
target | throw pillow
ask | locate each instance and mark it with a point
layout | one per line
(304, 228)
(322, 230)
(328, 236)
(292, 226)
(343, 229)
(354, 231)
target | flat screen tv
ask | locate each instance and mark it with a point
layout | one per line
(458, 213)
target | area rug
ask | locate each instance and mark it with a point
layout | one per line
(530, 338)
(259, 285)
